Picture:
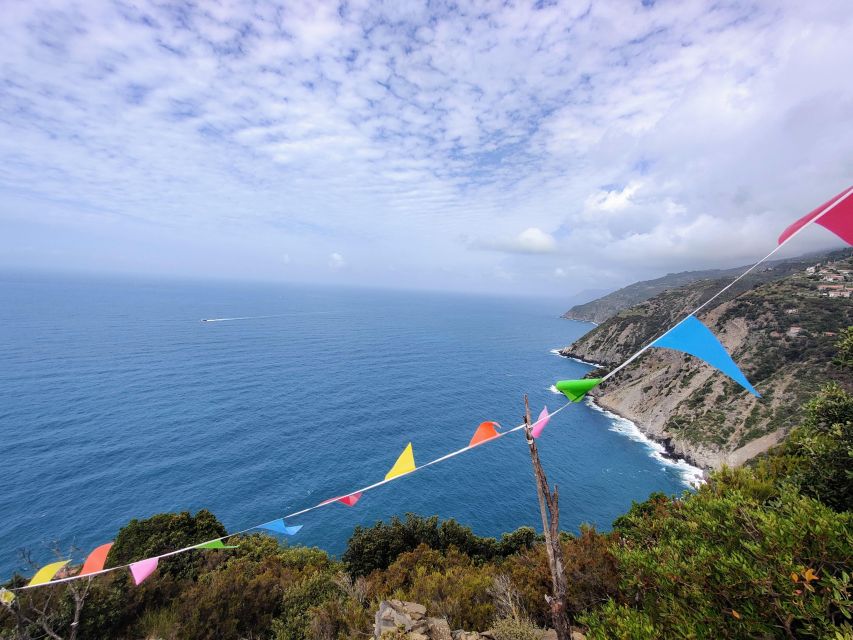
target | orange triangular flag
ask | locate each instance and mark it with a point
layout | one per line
(96, 560)
(486, 431)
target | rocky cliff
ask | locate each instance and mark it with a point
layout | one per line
(782, 334)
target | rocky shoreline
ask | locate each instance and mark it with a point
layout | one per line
(672, 451)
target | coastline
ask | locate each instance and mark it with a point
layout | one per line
(660, 449)
(559, 352)
(691, 474)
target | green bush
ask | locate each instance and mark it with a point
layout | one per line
(724, 561)
(590, 567)
(448, 583)
(377, 547)
(164, 532)
(619, 622)
(512, 629)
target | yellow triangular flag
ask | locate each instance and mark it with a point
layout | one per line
(46, 573)
(405, 463)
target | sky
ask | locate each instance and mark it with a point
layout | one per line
(500, 147)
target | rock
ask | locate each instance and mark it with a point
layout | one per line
(438, 629)
(465, 635)
(408, 617)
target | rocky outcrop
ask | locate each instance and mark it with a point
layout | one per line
(408, 620)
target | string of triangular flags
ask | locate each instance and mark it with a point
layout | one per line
(689, 336)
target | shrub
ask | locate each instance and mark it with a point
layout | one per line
(448, 583)
(726, 562)
(377, 547)
(591, 570)
(619, 622)
(165, 532)
(513, 629)
(817, 456)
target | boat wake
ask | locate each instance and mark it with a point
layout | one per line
(277, 315)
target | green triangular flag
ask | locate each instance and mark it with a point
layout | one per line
(216, 544)
(575, 390)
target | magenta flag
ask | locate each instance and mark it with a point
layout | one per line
(835, 214)
(142, 569)
(541, 422)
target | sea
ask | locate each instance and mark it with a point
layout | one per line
(117, 402)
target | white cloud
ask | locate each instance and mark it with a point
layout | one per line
(532, 241)
(612, 200)
(646, 138)
(336, 262)
(559, 272)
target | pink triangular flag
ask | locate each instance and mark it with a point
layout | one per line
(541, 422)
(351, 499)
(835, 214)
(142, 569)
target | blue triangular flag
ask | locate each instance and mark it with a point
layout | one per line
(278, 526)
(693, 337)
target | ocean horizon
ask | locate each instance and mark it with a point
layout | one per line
(119, 403)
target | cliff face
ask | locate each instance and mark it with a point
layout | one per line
(781, 334)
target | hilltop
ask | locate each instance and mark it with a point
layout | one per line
(607, 306)
(781, 333)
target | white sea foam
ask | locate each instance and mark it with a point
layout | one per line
(589, 363)
(690, 475)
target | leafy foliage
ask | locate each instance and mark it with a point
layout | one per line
(724, 561)
(819, 455)
(844, 358)
(448, 583)
(165, 532)
(377, 547)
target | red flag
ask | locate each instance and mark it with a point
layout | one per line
(351, 499)
(838, 219)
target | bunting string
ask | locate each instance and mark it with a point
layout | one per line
(789, 234)
(688, 335)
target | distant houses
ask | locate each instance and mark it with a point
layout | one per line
(832, 282)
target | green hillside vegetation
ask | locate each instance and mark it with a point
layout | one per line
(758, 552)
(607, 306)
(782, 334)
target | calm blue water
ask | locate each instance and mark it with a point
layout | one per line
(117, 403)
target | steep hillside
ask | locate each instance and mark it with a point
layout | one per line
(607, 306)
(781, 333)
